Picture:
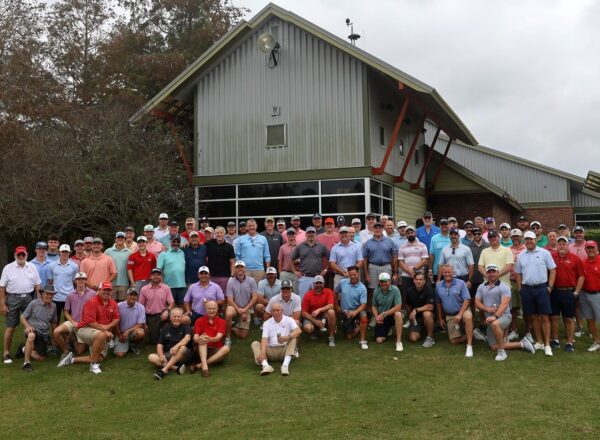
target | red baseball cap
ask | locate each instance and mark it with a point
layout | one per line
(106, 285)
(20, 249)
(329, 220)
(591, 243)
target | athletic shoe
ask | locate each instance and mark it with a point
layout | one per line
(569, 348)
(135, 349)
(296, 352)
(227, 342)
(429, 342)
(27, 367)
(285, 370)
(372, 322)
(527, 345)
(66, 359)
(267, 369)
(578, 331)
(364, 345)
(159, 375)
(313, 336)
(501, 356)
(20, 352)
(554, 343)
(538, 346)
(111, 343)
(52, 350)
(95, 368)
(257, 322)
(529, 337)
(399, 346)
(594, 347)
(181, 369)
(513, 336)
(331, 342)
(479, 335)
(7, 359)
(469, 352)
(406, 324)
(548, 350)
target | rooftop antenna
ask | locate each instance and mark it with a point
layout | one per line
(352, 37)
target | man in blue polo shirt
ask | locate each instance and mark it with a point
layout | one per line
(353, 297)
(428, 230)
(61, 274)
(172, 264)
(438, 242)
(344, 255)
(453, 300)
(253, 249)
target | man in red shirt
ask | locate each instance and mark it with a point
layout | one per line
(98, 322)
(567, 285)
(318, 310)
(139, 265)
(190, 225)
(208, 336)
(589, 300)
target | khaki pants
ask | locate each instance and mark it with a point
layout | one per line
(256, 274)
(274, 353)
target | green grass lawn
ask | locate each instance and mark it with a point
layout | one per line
(343, 392)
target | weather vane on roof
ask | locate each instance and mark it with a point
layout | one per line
(352, 37)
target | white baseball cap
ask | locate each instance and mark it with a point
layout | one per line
(163, 215)
(516, 232)
(64, 247)
(530, 234)
(384, 276)
(402, 224)
(240, 263)
(203, 269)
(271, 269)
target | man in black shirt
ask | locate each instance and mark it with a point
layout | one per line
(172, 351)
(220, 258)
(420, 302)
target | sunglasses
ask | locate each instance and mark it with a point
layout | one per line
(477, 233)
(535, 227)
(175, 242)
(21, 254)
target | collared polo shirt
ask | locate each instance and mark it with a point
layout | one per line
(170, 335)
(272, 328)
(591, 270)
(453, 296)
(17, 279)
(507, 243)
(500, 257)
(41, 316)
(384, 301)
(515, 251)
(96, 311)
(275, 241)
(241, 290)
(160, 233)
(438, 242)
(476, 251)
(218, 256)
(121, 256)
(543, 241)
(313, 300)
(98, 269)
(268, 291)
(254, 251)
(199, 295)
(141, 265)
(418, 298)
(460, 258)
(289, 307)
(380, 251)
(131, 316)
(578, 249)
(424, 236)
(194, 259)
(231, 238)
(204, 326)
(311, 257)
(568, 270)
(165, 240)
(534, 266)
(412, 254)
(75, 301)
(352, 295)
(346, 255)
(155, 299)
(284, 257)
(172, 264)
(490, 294)
(77, 260)
(42, 269)
(328, 240)
(365, 235)
(155, 247)
(62, 276)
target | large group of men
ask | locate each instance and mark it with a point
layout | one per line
(188, 293)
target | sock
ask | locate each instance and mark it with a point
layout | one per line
(286, 361)
(264, 363)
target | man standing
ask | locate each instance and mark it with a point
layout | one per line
(397, 236)
(476, 246)
(459, 257)
(120, 254)
(152, 245)
(517, 247)
(317, 221)
(209, 331)
(61, 274)
(497, 255)
(172, 351)
(567, 286)
(380, 255)
(130, 331)
(195, 257)
(535, 271)
(190, 226)
(40, 261)
(590, 295)
(318, 310)
(157, 300)
(88, 242)
(420, 304)
(220, 258)
(231, 233)
(353, 299)
(493, 298)
(369, 230)
(162, 229)
(286, 266)
(130, 242)
(253, 250)
(343, 255)
(438, 242)
(453, 300)
(386, 310)
(281, 227)
(505, 239)
(99, 321)
(278, 342)
(98, 266)
(552, 245)
(267, 289)
(39, 320)
(53, 244)
(172, 266)
(140, 264)
(523, 224)
(468, 228)
(241, 295)
(578, 246)
(173, 232)
(200, 293)
(412, 258)
(311, 257)
(79, 256)
(300, 234)
(541, 239)
(274, 240)
(19, 283)
(426, 232)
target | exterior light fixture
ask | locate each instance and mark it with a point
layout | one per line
(267, 43)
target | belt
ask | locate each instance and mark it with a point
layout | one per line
(20, 295)
(379, 264)
(564, 288)
(536, 285)
(310, 275)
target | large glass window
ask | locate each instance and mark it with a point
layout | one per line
(216, 192)
(287, 189)
(588, 220)
(290, 206)
(217, 209)
(346, 186)
(381, 198)
(334, 205)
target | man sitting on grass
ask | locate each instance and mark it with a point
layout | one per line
(420, 303)
(130, 331)
(278, 342)
(39, 319)
(318, 310)
(353, 299)
(386, 310)
(172, 350)
(493, 298)
(209, 331)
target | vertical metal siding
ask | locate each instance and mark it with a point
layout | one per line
(318, 89)
(582, 200)
(408, 205)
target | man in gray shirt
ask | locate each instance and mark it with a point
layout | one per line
(310, 255)
(459, 257)
(39, 320)
(241, 295)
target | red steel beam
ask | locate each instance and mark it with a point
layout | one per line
(426, 164)
(401, 116)
(412, 149)
(439, 170)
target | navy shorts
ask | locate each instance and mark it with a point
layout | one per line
(381, 330)
(536, 300)
(563, 302)
(350, 324)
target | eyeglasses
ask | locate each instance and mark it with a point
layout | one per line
(477, 233)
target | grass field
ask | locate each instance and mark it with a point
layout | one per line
(343, 392)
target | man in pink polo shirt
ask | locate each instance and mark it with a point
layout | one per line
(99, 267)
(157, 299)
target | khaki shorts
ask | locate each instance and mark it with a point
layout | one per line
(85, 335)
(72, 329)
(454, 330)
(120, 293)
(244, 325)
(515, 296)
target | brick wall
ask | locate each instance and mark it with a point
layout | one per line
(467, 206)
(550, 218)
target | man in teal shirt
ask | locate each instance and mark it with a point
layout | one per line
(120, 254)
(438, 242)
(172, 264)
(386, 310)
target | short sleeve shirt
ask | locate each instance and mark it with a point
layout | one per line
(171, 335)
(491, 295)
(416, 299)
(534, 266)
(272, 328)
(204, 326)
(384, 301)
(460, 258)
(199, 295)
(241, 291)
(313, 301)
(218, 256)
(412, 254)
(131, 316)
(268, 291)
(40, 315)
(311, 257)
(17, 279)
(453, 296)
(172, 264)
(500, 257)
(352, 295)
(290, 307)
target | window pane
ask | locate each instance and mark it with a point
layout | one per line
(375, 205)
(276, 135)
(387, 191)
(279, 189)
(257, 208)
(216, 192)
(375, 187)
(217, 209)
(343, 186)
(343, 204)
(387, 207)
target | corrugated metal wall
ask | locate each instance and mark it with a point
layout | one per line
(581, 200)
(408, 205)
(319, 92)
(450, 180)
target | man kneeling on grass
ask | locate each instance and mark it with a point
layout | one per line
(353, 299)
(318, 310)
(278, 341)
(172, 350)
(386, 310)
(130, 331)
(39, 319)
(209, 331)
(493, 298)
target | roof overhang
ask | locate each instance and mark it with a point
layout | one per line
(592, 183)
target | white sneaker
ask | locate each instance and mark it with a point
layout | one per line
(429, 342)
(67, 359)
(399, 346)
(227, 342)
(548, 350)
(501, 356)
(111, 344)
(267, 369)
(538, 346)
(364, 345)
(296, 353)
(594, 347)
(285, 371)
(530, 337)
(578, 334)
(469, 352)
(406, 324)
(513, 335)
(95, 368)
(332, 342)
(527, 345)
(479, 335)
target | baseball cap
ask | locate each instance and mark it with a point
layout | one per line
(81, 276)
(106, 285)
(230, 224)
(329, 220)
(310, 230)
(286, 284)
(344, 229)
(240, 263)
(562, 238)
(355, 220)
(271, 269)
(535, 222)
(163, 215)
(378, 225)
(591, 243)
(370, 215)
(141, 238)
(242, 223)
(209, 229)
(317, 215)
(467, 222)
(491, 267)
(98, 240)
(176, 237)
(444, 221)
(281, 221)
(270, 219)
(291, 231)
(193, 234)
(49, 289)
(318, 279)
(78, 242)
(64, 248)
(41, 245)
(578, 228)
(384, 276)
(452, 219)
(522, 218)
(173, 223)
(88, 240)
(295, 217)
(156, 270)
(410, 228)
(148, 228)
(453, 231)
(120, 234)
(505, 225)
(341, 219)
(516, 232)
(427, 214)
(492, 234)
(20, 249)
(129, 228)
(490, 220)
(563, 226)
(190, 221)
(132, 291)
(402, 224)
(203, 269)
(529, 234)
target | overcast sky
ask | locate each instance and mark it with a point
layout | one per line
(523, 75)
